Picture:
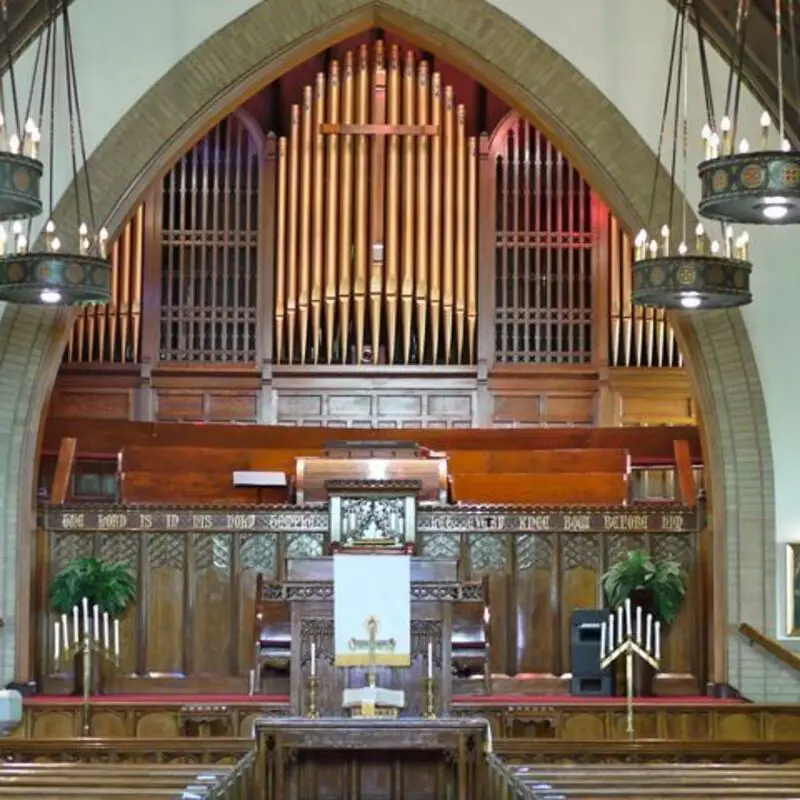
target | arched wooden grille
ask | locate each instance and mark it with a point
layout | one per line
(543, 251)
(377, 202)
(209, 249)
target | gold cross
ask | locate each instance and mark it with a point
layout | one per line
(372, 644)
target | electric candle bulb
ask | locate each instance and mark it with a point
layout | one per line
(641, 244)
(745, 240)
(725, 127)
(682, 249)
(714, 144)
(700, 242)
(728, 242)
(103, 238)
(21, 245)
(786, 146)
(714, 248)
(765, 123)
(83, 238)
(706, 136)
(49, 233)
(665, 240)
(653, 249)
(744, 146)
(3, 239)
(13, 144)
(55, 245)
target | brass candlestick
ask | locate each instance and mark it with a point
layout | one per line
(429, 685)
(312, 712)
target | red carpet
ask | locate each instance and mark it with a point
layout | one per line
(278, 699)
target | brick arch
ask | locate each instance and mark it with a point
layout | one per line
(533, 78)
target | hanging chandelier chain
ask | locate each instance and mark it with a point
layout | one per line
(665, 112)
(71, 112)
(53, 70)
(11, 73)
(704, 70)
(76, 122)
(676, 126)
(685, 143)
(737, 65)
(779, 45)
(793, 45)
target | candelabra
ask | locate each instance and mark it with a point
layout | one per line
(84, 638)
(619, 638)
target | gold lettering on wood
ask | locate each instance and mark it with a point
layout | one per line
(112, 522)
(173, 521)
(72, 522)
(202, 522)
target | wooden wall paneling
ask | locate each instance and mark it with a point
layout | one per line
(536, 608)
(406, 403)
(490, 556)
(168, 601)
(651, 397)
(93, 394)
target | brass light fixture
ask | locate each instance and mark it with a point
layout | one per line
(690, 274)
(54, 274)
(739, 184)
(20, 167)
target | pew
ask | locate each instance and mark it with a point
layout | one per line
(123, 782)
(647, 446)
(656, 780)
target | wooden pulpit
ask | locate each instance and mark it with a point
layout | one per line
(339, 759)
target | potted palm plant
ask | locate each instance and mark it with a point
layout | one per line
(109, 586)
(658, 586)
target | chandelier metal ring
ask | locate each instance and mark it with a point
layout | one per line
(688, 282)
(54, 279)
(753, 188)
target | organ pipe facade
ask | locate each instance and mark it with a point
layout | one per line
(370, 227)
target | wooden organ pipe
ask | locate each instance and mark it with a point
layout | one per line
(346, 250)
(378, 197)
(319, 222)
(461, 232)
(305, 221)
(472, 248)
(292, 208)
(360, 282)
(377, 203)
(332, 218)
(421, 266)
(111, 333)
(436, 217)
(392, 201)
(280, 251)
(449, 215)
(409, 231)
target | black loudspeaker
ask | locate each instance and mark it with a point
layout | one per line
(588, 679)
(27, 689)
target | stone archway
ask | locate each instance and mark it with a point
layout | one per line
(479, 38)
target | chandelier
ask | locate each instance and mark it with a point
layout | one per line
(686, 271)
(20, 167)
(740, 184)
(56, 271)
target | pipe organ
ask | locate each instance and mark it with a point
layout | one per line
(363, 230)
(377, 204)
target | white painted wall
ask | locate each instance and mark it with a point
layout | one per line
(622, 46)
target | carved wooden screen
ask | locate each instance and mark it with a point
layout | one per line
(639, 337)
(543, 251)
(112, 333)
(209, 265)
(376, 252)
